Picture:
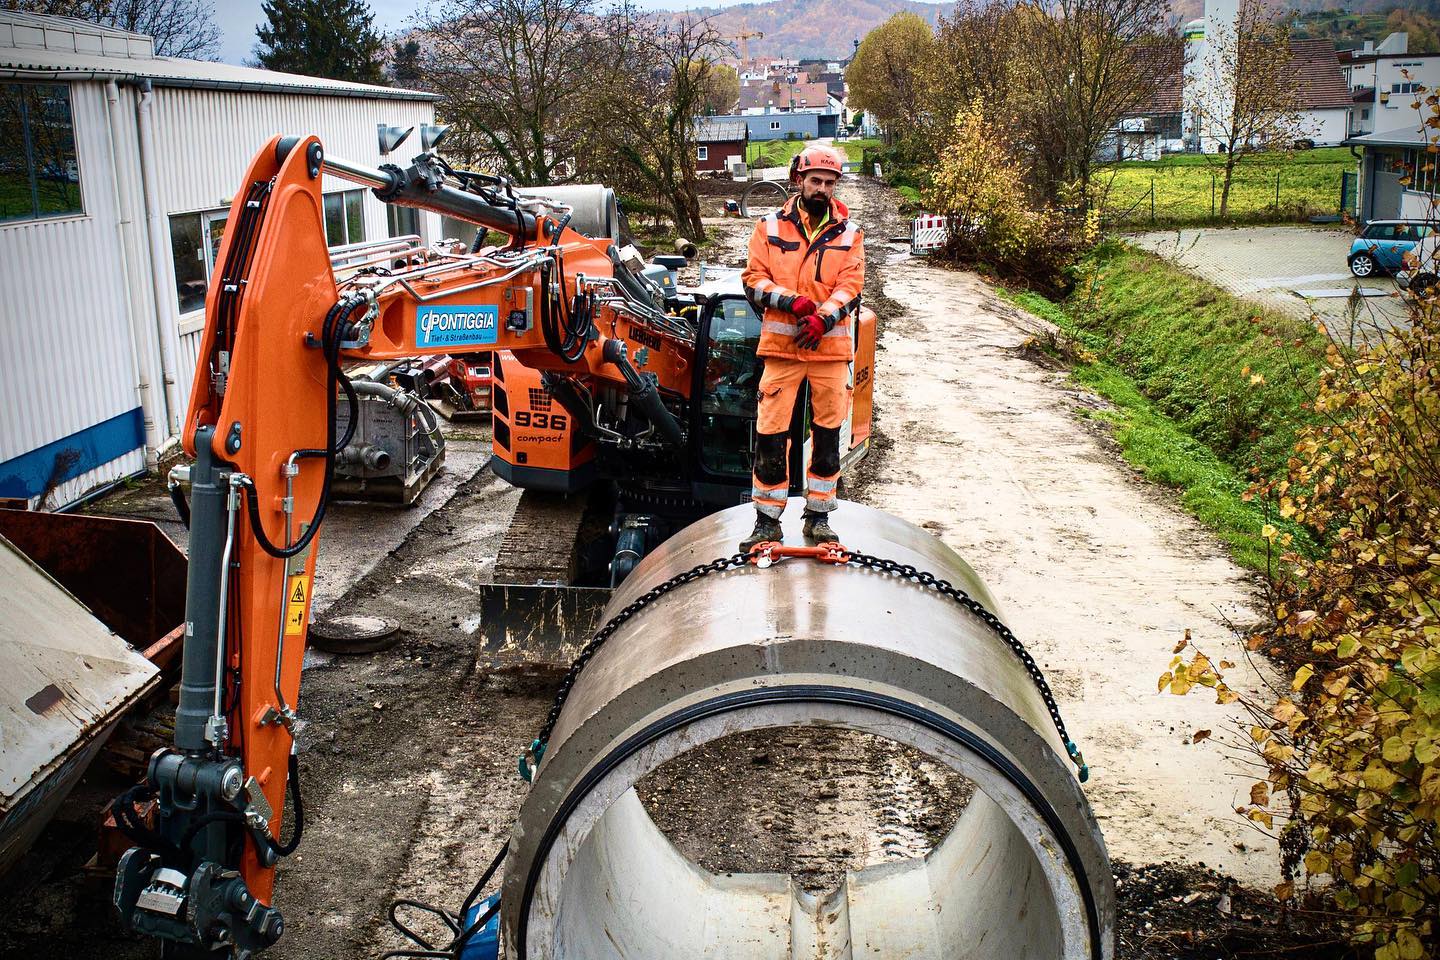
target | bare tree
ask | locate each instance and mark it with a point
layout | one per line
(1093, 63)
(1057, 76)
(658, 75)
(180, 28)
(514, 75)
(1244, 98)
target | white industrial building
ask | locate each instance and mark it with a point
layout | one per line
(117, 168)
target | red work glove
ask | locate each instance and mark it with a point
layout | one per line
(803, 306)
(812, 328)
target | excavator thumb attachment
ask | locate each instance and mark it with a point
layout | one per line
(536, 627)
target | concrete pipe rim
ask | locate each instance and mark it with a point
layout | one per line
(944, 728)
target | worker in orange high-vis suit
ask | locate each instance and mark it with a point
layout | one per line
(806, 270)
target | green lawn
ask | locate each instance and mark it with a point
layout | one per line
(855, 149)
(1308, 184)
(772, 153)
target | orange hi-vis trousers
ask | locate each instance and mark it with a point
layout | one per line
(829, 402)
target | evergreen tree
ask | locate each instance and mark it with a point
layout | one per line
(321, 38)
(405, 64)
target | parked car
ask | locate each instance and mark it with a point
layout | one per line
(1382, 245)
(1419, 267)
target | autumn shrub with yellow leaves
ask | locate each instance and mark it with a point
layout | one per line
(1352, 749)
(978, 181)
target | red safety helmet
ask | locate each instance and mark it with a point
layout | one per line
(816, 158)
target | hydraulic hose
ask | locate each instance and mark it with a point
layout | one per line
(330, 344)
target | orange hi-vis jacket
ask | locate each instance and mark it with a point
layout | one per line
(828, 268)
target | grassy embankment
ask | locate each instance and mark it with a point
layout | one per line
(1309, 184)
(1205, 388)
(855, 149)
(772, 153)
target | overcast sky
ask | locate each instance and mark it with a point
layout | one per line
(237, 19)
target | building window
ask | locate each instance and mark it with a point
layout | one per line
(774, 124)
(1420, 168)
(1365, 113)
(39, 174)
(702, 153)
(195, 245)
(402, 221)
(1404, 87)
(344, 222)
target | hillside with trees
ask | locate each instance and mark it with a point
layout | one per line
(811, 28)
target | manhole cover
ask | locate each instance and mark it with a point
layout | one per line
(354, 634)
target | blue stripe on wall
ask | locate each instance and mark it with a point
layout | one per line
(67, 458)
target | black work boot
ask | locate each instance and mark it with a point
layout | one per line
(766, 530)
(817, 528)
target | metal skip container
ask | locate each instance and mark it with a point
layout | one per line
(1023, 872)
(66, 677)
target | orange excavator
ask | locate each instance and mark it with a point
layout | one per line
(609, 387)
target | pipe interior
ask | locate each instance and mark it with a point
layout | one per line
(990, 887)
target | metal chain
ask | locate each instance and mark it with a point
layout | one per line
(530, 760)
(983, 614)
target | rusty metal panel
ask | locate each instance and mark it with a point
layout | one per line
(64, 680)
(127, 572)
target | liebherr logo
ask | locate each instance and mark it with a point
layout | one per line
(463, 326)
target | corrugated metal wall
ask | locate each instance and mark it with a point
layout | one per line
(68, 355)
(206, 139)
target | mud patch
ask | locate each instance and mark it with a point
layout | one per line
(1172, 912)
(809, 802)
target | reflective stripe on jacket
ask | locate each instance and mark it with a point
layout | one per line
(829, 269)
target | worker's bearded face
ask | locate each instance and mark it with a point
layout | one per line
(816, 190)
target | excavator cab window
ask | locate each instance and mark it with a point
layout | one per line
(729, 387)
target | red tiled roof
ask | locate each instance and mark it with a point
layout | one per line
(1317, 68)
(785, 95)
(1166, 62)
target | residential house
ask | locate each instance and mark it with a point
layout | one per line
(780, 95)
(1382, 84)
(1155, 126)
(1325, 99)
(719, 143)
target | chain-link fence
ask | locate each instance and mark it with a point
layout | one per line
(1189, 192)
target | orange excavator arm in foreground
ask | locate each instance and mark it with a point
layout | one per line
(262, 428)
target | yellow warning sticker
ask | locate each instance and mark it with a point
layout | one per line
(295, 596)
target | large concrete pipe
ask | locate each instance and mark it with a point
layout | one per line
(1022, 874)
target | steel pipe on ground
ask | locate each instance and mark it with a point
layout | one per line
(1023, 873)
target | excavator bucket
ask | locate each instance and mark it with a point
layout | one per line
(536, 627)
(532, 616)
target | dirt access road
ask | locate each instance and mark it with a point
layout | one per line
(410, 780)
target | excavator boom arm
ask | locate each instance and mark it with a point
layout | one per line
(280, 323)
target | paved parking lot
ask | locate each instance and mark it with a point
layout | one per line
(1298, 270)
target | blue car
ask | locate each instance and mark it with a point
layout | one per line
(1382, 245)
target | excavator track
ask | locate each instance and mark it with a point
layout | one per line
(532, 616)
(542, 542)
